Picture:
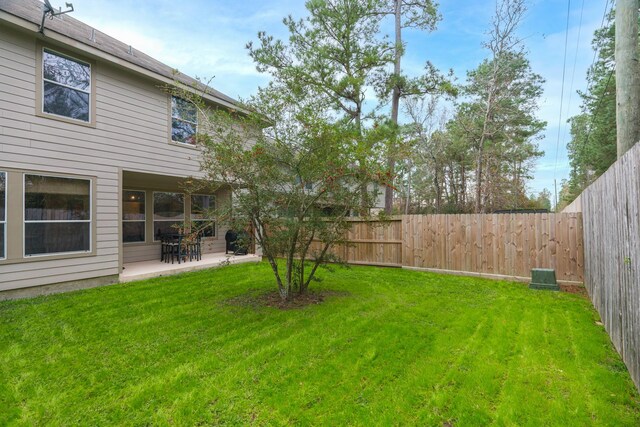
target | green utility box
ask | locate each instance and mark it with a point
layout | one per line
(544, 278)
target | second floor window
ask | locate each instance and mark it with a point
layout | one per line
(66, 89)
(184, 121)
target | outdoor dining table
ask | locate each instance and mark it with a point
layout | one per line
(172, 245)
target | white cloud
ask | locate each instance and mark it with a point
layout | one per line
(154, 47)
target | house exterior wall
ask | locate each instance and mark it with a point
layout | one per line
(131, 133)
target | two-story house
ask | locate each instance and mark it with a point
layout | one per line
(92, 154)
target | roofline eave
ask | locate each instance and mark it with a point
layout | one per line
(52, 35)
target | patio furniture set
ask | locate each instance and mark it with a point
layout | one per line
(181, 247)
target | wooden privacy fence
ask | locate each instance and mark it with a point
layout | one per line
(493, 245)
(611, 210)
(496, 244)
(373, 243)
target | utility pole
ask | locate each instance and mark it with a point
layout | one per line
(627, 75)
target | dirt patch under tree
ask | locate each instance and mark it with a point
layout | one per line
(273, 299)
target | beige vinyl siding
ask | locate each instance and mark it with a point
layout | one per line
(215, 245)
(131, 134)
(132, 131)
(135, 252)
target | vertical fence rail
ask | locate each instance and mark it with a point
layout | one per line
(611, 212)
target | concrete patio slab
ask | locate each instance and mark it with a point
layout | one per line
(147, 269)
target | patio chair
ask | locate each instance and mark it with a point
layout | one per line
(193, 246)
(170, 248)
(164, 248)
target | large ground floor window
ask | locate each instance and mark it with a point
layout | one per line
(168, 213)
(57, 215)
(133, 216)
(202, 208)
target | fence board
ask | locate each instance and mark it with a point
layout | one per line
(611, 224)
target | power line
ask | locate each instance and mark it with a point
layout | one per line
(564, 68)
(607, 10)
(573, 74)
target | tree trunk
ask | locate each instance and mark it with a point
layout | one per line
(436, 182)
(408, 200)
(317, 263)
(266, 251)
(395, 101)
(463, 186)
(479, 180)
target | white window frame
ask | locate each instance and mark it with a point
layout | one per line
(25, 222)
(153, 211)
(3, 222)
(182, 120)
(137, 220)
(87, 91)
(215, 205)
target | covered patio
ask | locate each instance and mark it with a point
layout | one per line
(152, 207)
(155, 268)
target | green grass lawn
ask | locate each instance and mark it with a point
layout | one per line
(401, 348)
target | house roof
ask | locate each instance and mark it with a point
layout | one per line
(65, 25)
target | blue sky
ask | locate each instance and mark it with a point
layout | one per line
(208, 38)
